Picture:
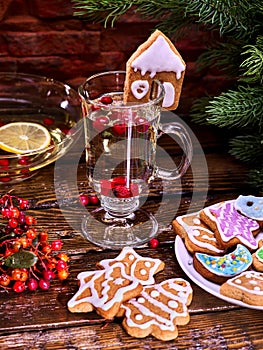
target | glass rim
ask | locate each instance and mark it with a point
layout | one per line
(84, 93)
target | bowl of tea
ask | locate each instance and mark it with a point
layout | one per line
(38, 124)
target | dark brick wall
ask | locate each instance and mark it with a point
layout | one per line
(44, 37)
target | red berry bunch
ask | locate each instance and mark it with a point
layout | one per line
(27, 259)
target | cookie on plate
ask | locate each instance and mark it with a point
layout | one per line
(247, 287)
(104, 291)
(155, 59)
(141, 268)
(218, 269)
(230, 226)
(196, 235)
(158, 310)
(250, 206)
(258, 258)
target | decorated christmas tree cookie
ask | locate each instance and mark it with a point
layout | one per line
(155, 59)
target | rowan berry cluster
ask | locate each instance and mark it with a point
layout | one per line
(27, 259)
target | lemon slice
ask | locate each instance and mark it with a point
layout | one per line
(23, 137)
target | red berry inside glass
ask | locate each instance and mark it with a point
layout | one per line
(107, 100)
(142, 124)
(119, 129)
(101, 123)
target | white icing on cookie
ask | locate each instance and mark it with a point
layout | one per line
(169, 94)
(170, 303)
(134, 265)
(101, 299)
(159, 57)
(250, 282)
(139, 88)
(199, 235)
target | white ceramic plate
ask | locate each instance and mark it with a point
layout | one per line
(185, 260)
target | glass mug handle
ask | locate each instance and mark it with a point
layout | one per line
(182, 137)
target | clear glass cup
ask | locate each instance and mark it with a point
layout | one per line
(121, 141)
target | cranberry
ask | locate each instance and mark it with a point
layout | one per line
(12, 222)
(100, 123)
(44, 284)
(32, 284)
(142, 124)
(30, 220)
(154, 243)
(56, 245)
(14, 212)
(19, 286)
(119, 180)
(93, 199)
(61, 265)
(122, 191)
(48, 275)
(119, 129)
(107, 100)
(84, 199)
(6, 213)
(23, 161)
(23, 203)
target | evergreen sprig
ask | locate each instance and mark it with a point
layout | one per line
(241, 108)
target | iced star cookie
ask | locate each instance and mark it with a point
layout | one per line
(250, 206)
(158, 310)
(104, 291)
(220, 268)
(230, 226)
(156, 59)
(140, 268)
(247, 287)
(196, 235)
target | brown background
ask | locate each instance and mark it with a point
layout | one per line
(45, 38)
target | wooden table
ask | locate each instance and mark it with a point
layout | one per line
(40, 320)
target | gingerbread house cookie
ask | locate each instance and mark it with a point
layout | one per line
(155, 59)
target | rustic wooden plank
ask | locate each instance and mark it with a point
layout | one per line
(234, 329)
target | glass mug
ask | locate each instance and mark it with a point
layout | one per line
(121, 141)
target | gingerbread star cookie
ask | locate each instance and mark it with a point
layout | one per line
(142, 269)
(155, 59)
(104, 290)
(158, 310)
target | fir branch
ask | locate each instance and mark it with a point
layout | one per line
(101, 10)
(232, 18)
(237, 108)
(247, 148)
(253, 64)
